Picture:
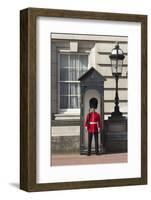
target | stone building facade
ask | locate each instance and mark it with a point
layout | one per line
(72, 55)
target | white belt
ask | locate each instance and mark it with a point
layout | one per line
(93, 122)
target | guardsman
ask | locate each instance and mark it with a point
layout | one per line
(92, 125)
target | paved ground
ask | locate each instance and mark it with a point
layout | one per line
(76, 159)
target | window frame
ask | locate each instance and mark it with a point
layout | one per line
(68, 110)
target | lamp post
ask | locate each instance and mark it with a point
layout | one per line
(116, 125)
(116, 57)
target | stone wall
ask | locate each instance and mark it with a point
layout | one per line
(65, 144)
(98, 48)
(65, 126)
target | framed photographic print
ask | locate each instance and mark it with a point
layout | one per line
(83, 99)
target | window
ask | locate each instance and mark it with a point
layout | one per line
(72, 66)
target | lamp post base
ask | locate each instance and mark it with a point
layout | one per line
(116, 115)
(116, 134)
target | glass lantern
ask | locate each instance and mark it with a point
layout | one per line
(117, 57)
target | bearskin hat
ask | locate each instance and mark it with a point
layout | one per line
(93, 103)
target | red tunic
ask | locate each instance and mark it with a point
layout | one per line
(92, 122)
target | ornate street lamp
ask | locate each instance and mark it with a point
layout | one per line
(116, 57)
(116, 125)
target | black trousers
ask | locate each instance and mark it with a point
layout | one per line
(90, 136)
